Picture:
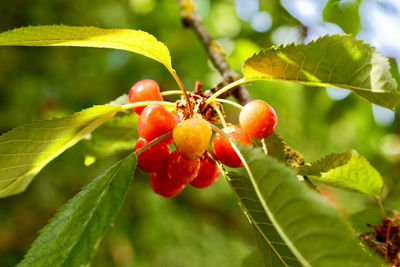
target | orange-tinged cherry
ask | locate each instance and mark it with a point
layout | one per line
(144, 90)
(222, 148)
(191, 137)
(181, 170)
(258, 119)
(154, 121)
(208, 173)
(154, 157)
(162, 185)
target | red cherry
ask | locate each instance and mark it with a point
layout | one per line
(154, 121)
(208, 173)
(181, 170)
(223, 150)
(192, 137)
(153, 158)
(144, 90)
(164, 186)
(258, 119)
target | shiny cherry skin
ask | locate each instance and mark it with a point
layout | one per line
(223, 150)
(144, 90)
(162, 185)
(258, 119)
(191, 137)
(154, 121)
(154, 157)
(208, 173)
(181, 170)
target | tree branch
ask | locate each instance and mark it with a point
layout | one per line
(215, 52)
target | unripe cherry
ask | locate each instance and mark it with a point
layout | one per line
(191, 137)
(222, 148)
(208, 173)
(154, 121)
(154, 157)
(258, 119)
(144, 90)
(162, 185)
(181, 170)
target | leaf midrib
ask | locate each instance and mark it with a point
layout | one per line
(251, 217)
(278, 228)
(321, 84)
(100, 199)
(92, 41)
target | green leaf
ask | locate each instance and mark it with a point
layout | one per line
(344, 13)
(347, 170)
(73, 234)
(25, 150)
(295, 220)
(117, 134)
(268, 255)
(337, 61)
(58, 35)
(252, 207)
(275, 146)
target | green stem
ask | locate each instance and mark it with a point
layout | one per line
(171, 92)
(152, 142)
(264, 147)
(180, 84)
(145, 103)
(220, 115)
(221, 100)
(223, 90)
(381, 208)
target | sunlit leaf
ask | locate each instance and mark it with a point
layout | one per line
(74, 233)
(294, 220)
(58, 35)
(336, 61)
(347, 170)
(344, 13)
(25, 150)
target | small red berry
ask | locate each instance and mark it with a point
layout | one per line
(258, 119)
(154, 121)
(162, 185)
(222, 148)
(191, 137)
(144, 90)
(181, 170)
(153, 158)
(208, 173)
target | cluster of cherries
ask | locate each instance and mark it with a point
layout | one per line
(190, 162)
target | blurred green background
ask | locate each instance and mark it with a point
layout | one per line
(199, 227)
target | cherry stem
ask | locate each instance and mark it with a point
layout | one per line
(223, 90)
(145, 103)
(220, 115)
(152, 142)
(226, 101)
(180, 84)
(171, 92)
(382, 209)
(264, 146)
